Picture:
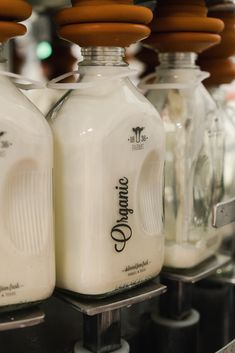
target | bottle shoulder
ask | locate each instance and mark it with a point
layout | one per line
(18, 110)
(178, 105)
(97, 108)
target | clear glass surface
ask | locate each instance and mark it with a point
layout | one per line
(194, 161)
(224, 96)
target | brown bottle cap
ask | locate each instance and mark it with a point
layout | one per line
(104, 22)
(183, 26)
(226, 48)
(217, 59)
(10, 13)
(15, 10)
(222, 71)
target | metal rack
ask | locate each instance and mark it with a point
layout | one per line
(230, 348)
(21, 319)
(102, 318)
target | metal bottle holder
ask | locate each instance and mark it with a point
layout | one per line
(214, 297)
(21, 319)
(176, 325)
(230, 348)
(223, 214)
(102, 317)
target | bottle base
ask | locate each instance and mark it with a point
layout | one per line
(104, 295)
(186, 256)
(15, 307)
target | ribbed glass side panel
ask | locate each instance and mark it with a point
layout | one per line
(149, 194)
(28, 211)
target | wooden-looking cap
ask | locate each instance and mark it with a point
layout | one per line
(222, 71)
(217, 60)
(183, 26)
(104, 22)
(11, 12)
(226, 48)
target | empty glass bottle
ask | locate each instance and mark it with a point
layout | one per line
(194, 159)
(224, 97)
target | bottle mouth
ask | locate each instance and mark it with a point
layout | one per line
(103, 56)
(178, 60)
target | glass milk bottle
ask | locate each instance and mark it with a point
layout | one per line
(109, 147)
(27, 265)
(194, 159)
(223, 96)
(218, 61)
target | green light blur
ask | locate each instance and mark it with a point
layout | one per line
(44, 50)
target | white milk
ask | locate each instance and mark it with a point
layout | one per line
(187, 255)
(109, 147)
(27, 271)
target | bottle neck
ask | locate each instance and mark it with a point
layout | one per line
(2, 54)
(177, 61)
(103, 56)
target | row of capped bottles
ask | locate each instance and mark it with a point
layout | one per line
(115, 157)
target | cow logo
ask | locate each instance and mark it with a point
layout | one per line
(138, 139)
